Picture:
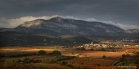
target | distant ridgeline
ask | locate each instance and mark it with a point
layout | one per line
(61, 31)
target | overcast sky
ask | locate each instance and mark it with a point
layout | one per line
(122, 13)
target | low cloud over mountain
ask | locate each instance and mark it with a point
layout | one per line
(65, 26)
(11, 23)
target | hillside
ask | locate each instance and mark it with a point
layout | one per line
(62, 26)
(61, 31)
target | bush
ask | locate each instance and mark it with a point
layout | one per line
(136, 61)
(70, 65)
(17, 54)
(127, 55)
(135, 52)
(123, 55)
(41, 52)
(55, 52)
(37, 61)
(103, 56)
(27, 60)
(121, 59)
(10, 63)
(52, 60)
(63, 63)
(59, 58)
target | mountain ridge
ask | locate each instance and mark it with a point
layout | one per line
(132, 31)
(62, 31)
(70, 26)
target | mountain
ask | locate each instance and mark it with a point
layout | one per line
(62, 26)
(63, 32)
(10, 31)
(132, 31)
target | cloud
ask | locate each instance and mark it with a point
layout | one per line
(120, 25)
(11, 23)
(123, 11)
(91, 19)
(118, 10)
(123, 26)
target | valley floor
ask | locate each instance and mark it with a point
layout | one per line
(27, 58)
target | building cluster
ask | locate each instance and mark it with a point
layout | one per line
(101, 46)
(96, 46)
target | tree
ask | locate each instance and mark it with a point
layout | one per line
(103, 56)
(123, 55)
(41, 52)
(55, 52)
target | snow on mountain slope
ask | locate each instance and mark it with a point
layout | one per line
(71, 26)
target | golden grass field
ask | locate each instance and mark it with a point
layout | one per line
(67, 52)
(85, 59)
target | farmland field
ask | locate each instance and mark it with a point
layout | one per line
(63, 51)
(20, 57)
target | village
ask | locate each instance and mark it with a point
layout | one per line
(105, 46)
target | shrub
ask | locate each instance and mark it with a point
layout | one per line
(17, 54)
(41, 52)
(55, 52)
(103, 56)
(121, 59)
(127, 55)
(123, 55)
(134, 52)
(136, 61)
(59, 58)
(10, 63)
(51, 60)
(63, 63)
(27, 60)
(70, 65)
(37, 61)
